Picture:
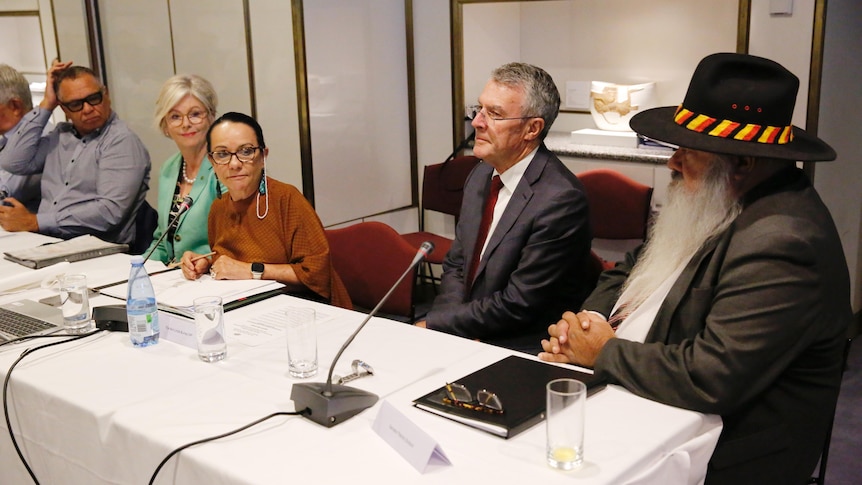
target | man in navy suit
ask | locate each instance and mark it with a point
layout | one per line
(505, 284)
(739, 302)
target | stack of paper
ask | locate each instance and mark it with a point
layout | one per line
(176, 294)
(75, 249)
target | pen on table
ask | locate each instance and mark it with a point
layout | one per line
(200, 256)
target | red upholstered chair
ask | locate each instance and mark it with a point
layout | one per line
(619, 209)
(442, 191)
(370, 257)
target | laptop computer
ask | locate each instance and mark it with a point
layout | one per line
(26, 318)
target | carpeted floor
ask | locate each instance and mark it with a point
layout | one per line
(844, 466)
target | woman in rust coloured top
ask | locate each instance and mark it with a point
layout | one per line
(262, 228)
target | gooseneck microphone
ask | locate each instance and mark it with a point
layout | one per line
(184, 206)
(113, 317)
(329, 404)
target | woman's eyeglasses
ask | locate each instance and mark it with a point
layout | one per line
(458, 395)
(195, 117)
(244, 155)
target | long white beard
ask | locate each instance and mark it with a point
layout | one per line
(684, 224)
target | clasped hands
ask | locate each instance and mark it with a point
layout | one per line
(577, 338)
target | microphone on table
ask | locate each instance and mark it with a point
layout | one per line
(184, 206)
(328, 404)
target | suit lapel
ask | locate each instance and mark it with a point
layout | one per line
(519, 200)
(662, 325)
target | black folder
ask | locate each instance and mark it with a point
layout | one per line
(519, 383)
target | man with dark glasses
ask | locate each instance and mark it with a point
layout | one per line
(95, 170)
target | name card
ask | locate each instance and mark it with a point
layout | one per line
(413, 444)
(177, 329)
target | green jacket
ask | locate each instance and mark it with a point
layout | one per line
(191, 233)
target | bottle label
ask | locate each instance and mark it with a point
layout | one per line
(141, 324)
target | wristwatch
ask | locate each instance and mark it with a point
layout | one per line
(257, 270)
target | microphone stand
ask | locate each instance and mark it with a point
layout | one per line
(328, 404)
(113, 317)
(187, 203)
(461, 146)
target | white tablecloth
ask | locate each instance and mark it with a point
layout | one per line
(101, 411)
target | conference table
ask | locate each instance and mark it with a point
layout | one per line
(98, 410)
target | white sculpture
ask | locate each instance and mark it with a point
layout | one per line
(613, 105)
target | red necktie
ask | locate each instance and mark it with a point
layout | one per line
(484, 227)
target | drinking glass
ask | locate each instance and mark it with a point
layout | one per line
(209, 328)
(301, 342)
(75, 303)
(567, 403)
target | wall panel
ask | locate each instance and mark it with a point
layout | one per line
(138, 59)
(71, 27)
(358, 104)
(209, 40)
(275, 87)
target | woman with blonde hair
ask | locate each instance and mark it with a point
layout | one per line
(185, 109)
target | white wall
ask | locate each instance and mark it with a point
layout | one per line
(275, 85)
(840, 182)
(616, 41)
(786, 40)
(433, 74)
(358, 107)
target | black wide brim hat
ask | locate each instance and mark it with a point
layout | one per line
(736, 104)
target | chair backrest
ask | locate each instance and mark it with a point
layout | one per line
(146, 221)
(443, 184)
(369, 257)
(619, 206)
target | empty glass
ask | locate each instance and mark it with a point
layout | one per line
(209, 328)
(75, 303)
(301, 342)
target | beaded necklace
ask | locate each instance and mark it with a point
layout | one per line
(185, 175)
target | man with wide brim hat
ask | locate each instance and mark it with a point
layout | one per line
(739, 301)
(744, 106)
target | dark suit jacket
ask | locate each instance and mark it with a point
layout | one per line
(532, 269)
(753, 330)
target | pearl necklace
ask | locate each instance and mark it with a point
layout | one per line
(185, 175)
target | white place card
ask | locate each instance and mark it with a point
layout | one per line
(177, 329)
(413, 444)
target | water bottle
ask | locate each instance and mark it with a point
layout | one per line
(141, 310)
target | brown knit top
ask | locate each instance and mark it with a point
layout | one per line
(291, 233)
